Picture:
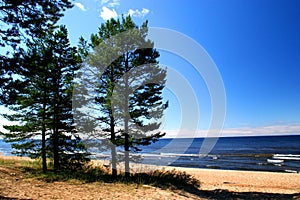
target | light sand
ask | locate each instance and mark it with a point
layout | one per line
(246, 181)
(232, 180)
(214, 183)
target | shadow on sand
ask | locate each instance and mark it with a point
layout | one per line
(225, 194)
(9, 198)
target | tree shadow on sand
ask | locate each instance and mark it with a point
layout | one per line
(10, 198)
(225, 194)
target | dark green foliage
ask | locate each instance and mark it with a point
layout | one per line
(72, 152)
(36, 84)
(43, 102)
(21, 20)
(129, 87)
(32, 17)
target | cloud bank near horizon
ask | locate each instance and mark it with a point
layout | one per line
(229, 132)
(236, 132)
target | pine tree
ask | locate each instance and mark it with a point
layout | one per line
(44, 102)
(19, 21)
(65, 62)
(128, 92)
(30, 102)
(32, 17)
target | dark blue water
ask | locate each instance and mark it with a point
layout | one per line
(237, 153)
(265, 153)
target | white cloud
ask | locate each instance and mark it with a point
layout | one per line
(264, 130)
(107, 13)
(80, 6)
(110, 3)
(104, 2)
(138, 13)
(243, 131)
(114, 3)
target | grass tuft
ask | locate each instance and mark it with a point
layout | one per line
(166, 179)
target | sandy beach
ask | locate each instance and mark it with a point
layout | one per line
(215, 184)
(247, 181)
(234, 180)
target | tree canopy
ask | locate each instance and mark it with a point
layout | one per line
(43, 102)
(31, 17)
(127, 88)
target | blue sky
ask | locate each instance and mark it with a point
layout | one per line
(254, 43)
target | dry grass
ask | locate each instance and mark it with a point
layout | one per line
(22, 179)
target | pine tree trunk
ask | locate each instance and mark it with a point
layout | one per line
(55, 149)
(114, 161)
(127, 169)
(126, 145)
(55, 125)
(126, 120)
(44, 157)
(113, 147)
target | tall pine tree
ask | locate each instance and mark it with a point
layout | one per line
(43, 104)
(20, 20)
(128, 92)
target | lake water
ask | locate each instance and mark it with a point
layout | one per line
(264, 153)
(270, 153)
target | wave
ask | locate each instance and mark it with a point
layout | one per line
(275, 156)
(286, 156)
(170, 155)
